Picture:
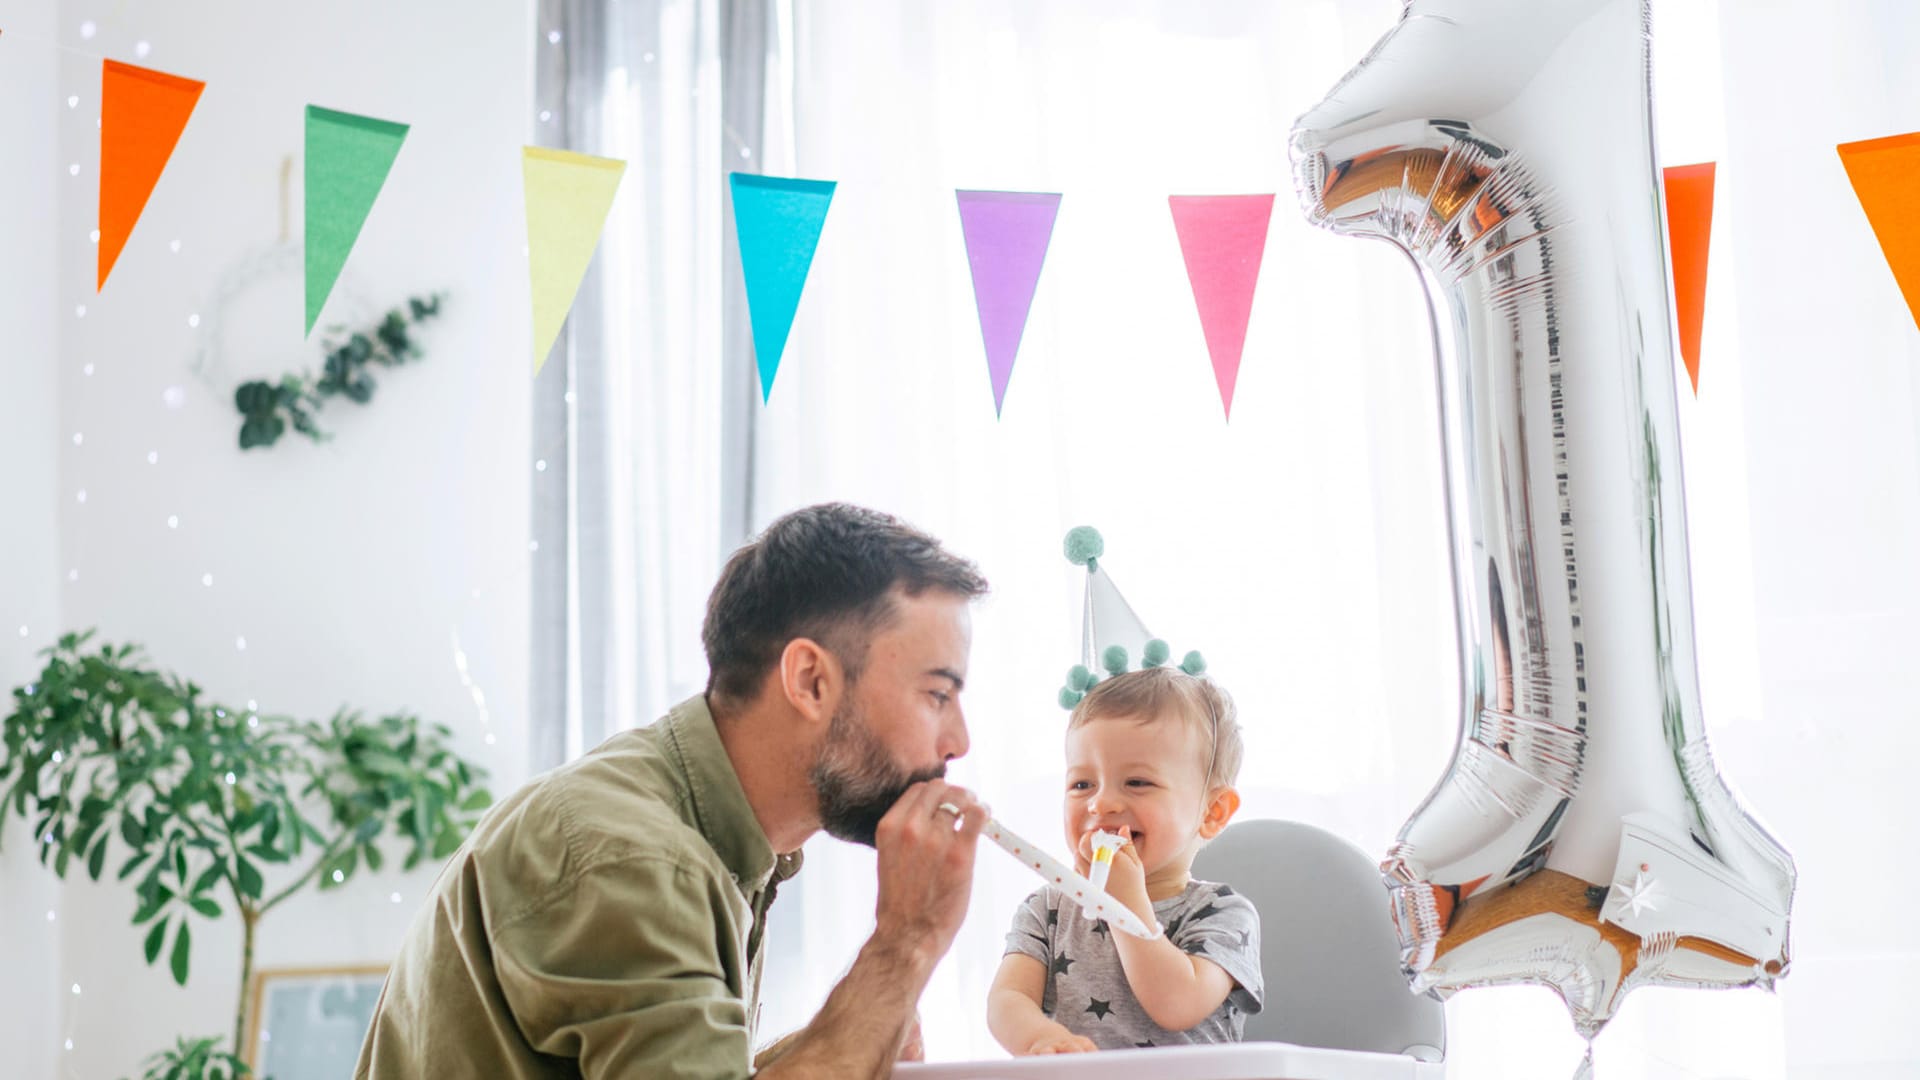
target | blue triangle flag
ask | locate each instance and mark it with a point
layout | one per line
(777, 221)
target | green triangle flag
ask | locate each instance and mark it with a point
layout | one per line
(348, 158)
(568, 196)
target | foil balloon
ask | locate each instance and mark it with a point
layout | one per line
(1582, 837)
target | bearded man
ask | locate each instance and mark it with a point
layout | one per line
(606, 919)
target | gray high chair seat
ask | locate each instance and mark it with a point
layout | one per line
(1328, 947)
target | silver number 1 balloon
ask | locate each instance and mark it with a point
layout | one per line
(1582, 837)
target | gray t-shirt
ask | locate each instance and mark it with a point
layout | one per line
(1087, 991)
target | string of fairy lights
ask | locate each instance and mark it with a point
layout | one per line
(88, 37)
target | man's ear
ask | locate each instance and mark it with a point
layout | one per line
(1220, 810)
(811, 679)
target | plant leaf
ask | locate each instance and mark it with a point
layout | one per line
(155, 938)
(251, 885)
(133, 864)
(206, 879)
(161, 894)
(181, 944)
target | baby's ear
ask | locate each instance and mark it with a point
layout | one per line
(1220, 810)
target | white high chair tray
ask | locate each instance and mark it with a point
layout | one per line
(1228, 1061)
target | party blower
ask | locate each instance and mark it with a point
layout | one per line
(1090, 894)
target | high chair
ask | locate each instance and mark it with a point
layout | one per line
(1337, 1006)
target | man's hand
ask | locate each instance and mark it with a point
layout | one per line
(1061, 1041)
(911, 1048)
(926, 845)
(926, 877)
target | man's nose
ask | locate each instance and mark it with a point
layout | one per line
(953, 736)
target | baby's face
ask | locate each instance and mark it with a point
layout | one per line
(1147, 777)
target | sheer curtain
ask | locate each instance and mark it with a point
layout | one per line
(644, 414)
(1298, 546)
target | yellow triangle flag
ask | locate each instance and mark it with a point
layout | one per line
(568, 196)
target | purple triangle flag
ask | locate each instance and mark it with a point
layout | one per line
(1007, 234)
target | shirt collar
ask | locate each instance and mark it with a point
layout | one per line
(719, 804)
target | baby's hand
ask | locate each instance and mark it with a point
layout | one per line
(1061, 1041)
(1127, 881)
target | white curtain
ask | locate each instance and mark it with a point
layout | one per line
(1297, 546)
(1300, 545)
(644, 414)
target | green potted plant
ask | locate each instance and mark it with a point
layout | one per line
(205, 801)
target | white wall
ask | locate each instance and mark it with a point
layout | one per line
(29, 592)
(350, 569)
(1829, 372)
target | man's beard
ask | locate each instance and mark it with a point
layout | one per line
(856, 779)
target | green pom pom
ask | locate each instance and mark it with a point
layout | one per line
(1083, 545)
(1114, 659)
(1079, 678)
(1194, 664)
(1070, 698)
(1155, 654)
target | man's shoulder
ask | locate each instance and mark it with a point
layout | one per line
(622, 805)
(628, 792)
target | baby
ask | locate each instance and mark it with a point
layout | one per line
(1151, 755)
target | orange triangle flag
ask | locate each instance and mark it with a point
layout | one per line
(142, 113)
(1885, 173)
(1689, 225)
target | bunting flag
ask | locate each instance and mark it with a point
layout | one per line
(1222, 238)
(348, 158)
(1885, 174)
(1689, 226)
(142, 114)
(777, 222)
(568, 196)
(1007, 233)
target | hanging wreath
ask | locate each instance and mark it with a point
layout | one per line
(268, 409)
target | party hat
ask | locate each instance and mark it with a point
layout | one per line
(1112, 637)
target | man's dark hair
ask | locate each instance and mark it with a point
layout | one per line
(824, 573)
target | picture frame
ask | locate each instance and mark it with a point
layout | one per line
(307, 1023)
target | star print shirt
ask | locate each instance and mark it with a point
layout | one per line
(1086, 988)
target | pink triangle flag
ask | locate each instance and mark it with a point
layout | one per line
(1223, 238)
(1007, 234)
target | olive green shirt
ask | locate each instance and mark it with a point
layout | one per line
(604, 921)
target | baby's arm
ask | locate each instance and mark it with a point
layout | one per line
(1176, 989)
(1014, 1016)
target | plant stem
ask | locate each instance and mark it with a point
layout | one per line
(248, 917)
(326, 855)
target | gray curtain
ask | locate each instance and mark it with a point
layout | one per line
(644, 415)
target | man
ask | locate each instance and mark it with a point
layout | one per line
(606, 919)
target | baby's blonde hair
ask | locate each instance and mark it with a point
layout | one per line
(1153, 692)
